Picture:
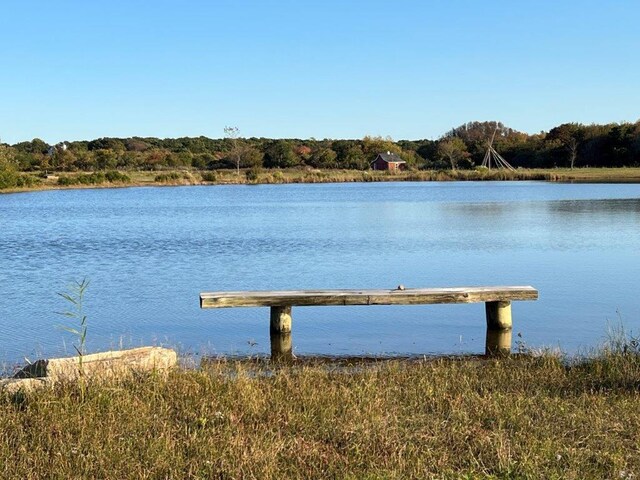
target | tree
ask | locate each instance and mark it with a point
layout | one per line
(232, 133)
(280, 154)
(251, 157)
(427, 150)
(355, 158)
(476, 134)
(569, 136)
(572, 146)
(323, 158)
(452, 149)
(372, 146)
(7, 155)
(34, 146)
(107, 143)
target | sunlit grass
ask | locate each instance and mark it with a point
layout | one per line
(302, 175)
(519, 417)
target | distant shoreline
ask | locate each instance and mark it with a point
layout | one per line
(276, 176)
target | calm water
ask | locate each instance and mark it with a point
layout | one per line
(148, 252)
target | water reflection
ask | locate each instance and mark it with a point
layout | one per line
(609, 207)
(281, 346)
(498, 342)
(150, 252)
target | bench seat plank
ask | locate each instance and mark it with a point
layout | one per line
(409, 296)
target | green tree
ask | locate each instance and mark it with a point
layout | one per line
(9, 176)
(476, 135)
(372, 146)
(355, 158)
(7, 155)
(323, 157)
(453, 150)
(105, 159)
(106, 143)
(34, 146)
(280, 154)
(250, 157)
(568, 137)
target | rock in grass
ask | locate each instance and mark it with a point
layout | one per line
(97, 366)
(12, 386)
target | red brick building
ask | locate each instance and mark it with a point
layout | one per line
(388, 161)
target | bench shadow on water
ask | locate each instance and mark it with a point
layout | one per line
(498, 343)
(269, 365)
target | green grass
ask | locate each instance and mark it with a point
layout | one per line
(175, 178)
(95, 178)
(519, 417)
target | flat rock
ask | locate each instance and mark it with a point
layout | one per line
(105, 365)
(12, 386)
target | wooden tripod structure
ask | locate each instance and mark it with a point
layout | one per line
(492, 156)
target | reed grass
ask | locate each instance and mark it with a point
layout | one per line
(518, 417)
(299, 175)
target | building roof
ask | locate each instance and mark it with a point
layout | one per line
(390, 158)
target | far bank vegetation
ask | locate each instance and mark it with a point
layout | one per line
(456, 155)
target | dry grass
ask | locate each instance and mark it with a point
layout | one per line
(230, 177)
(521, 417)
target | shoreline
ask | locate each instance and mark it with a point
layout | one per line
(273, 177)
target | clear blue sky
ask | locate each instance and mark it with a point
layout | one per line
(74, 70)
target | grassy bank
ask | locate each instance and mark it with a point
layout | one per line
(28, 182)
(473, 418)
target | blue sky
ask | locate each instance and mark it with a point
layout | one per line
(78, 70)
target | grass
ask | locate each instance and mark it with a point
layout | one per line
(95, 178)
(519, 417)
(26, 182)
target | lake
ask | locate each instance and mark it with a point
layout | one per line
(149, 252)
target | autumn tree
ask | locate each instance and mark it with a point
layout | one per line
(372, 146)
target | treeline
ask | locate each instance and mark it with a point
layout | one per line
(568, 145)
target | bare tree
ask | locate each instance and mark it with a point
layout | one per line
(572, 146)
(232, 133)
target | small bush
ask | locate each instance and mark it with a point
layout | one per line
(66, 181)
(184, 178)
(278, 176)
(27, 181)
(95, 178)
(12, 179)
(168, 177)
(209, 176)
(253, 174)
(114, 176)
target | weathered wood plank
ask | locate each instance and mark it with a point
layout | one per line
(409, 296)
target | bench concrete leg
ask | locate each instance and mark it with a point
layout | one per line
(281, 319)
(281, 347)
(499, 326)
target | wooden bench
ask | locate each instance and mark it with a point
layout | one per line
(497, 306)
